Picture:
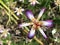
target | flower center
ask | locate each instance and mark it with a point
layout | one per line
(37, 23)
(19, 10)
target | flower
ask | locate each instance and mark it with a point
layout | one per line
(19, 10)
(17, 32)
(57, 2)
(36, 23)
(54, 31)
(33, 2)
(22, 1)
(4, 32)
(8, 42)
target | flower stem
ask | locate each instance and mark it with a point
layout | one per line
(8, 9)
(10, 17)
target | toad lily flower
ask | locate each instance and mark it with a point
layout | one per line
(36, 23)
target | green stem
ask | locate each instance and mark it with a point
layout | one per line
(27, 28)
(10, 17)
(8, 20)
(13, 19)
(9, 10)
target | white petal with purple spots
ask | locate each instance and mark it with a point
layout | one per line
(24, 24)
(41, 13)
(29, 14)
(47, 23)
(42, 32)
(31, 33)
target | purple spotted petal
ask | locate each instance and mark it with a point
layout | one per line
(41, 13)
(48, 23)
(42, 32)
(29, 14)
(24, 24)
(31, 33)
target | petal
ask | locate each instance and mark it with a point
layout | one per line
(5, 35)
(22, 1)
(54, 31)
(18, 13)
(41, 13)
(16, 8)
(47, 23)
(29, 14)
(33, 3)
(42, 32)
(22, 9)
(24, 24)
(37, 2)
(1, 31)
(31, 33)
